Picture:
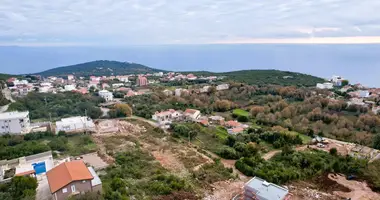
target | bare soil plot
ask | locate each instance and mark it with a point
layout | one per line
(94, 160)
(358, 190)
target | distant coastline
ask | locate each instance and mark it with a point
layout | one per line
(358, 63)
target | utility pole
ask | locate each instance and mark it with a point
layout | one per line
(85, 122)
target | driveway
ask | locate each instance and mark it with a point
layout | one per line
(43, 190)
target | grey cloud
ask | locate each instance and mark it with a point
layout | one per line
(195, 21)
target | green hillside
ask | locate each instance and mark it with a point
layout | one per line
(263, 77)
(100, 68)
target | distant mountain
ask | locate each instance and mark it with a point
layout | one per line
(100, 68)
(263, 77)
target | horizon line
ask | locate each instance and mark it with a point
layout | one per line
(313, 40)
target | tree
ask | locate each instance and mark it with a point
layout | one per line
(256, 110)
(376, 141)
(345, 82)
(333, 151)
(223, 105)
(125, 109)
(23, 187)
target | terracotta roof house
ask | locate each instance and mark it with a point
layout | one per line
(192, 114)
(72, 178)
(233, 124)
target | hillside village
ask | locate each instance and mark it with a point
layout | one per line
(205, 132)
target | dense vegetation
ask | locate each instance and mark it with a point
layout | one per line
(100, 68)
(20, 187)
(293, 165)
(303, 110)
(14, 146)
(58, 105)
(265, 77)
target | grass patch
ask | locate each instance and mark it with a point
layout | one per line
(221, 132)
(80, 144)
(240, 112)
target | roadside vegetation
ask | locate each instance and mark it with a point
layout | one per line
(14, 146)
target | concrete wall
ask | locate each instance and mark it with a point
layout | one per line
(80, 187)
(14, 125)
(97, 188)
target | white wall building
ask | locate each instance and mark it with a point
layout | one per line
(20, 82)
(14, 122)
(205, 89)
(168, 92)
(222, 87)
(116, 85)
(107, 95)
(178, 92)
(70, 77)
(325, 85)
(363, 93)
(75, 124)
(192, 114)
(167, 116)
(70, 87)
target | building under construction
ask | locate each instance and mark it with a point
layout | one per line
(259, 189)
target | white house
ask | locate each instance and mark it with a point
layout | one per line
(205, 89)
(167, 116)
(159, 74)
(168, 92)
(46, 84)
(20, 82)
(363, 93)
(107, 95)
(14, 122)
(70, 77)
(337, 80)
(75, 124)
(326, 85)
(178, 92)
(192, 114)
(222, 87)
(116, 85)
(70, 87)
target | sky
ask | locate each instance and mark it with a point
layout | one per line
(150, 22)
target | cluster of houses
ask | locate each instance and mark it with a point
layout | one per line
(181, 91)
(165, 118)
(358, 94)
(53, 84)
(335, 81)
(172, 76)
(65, 178)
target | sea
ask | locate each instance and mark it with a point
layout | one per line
(357, 63)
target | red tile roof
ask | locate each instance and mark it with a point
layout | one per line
(233, 123)
(26, 173)
(66, 173)
(190, 111)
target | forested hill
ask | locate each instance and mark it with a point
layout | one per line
(263, 77)
(100, 68)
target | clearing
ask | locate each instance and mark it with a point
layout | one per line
(240, 112)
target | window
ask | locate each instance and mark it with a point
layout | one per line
(73, 188)
(64, 190)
